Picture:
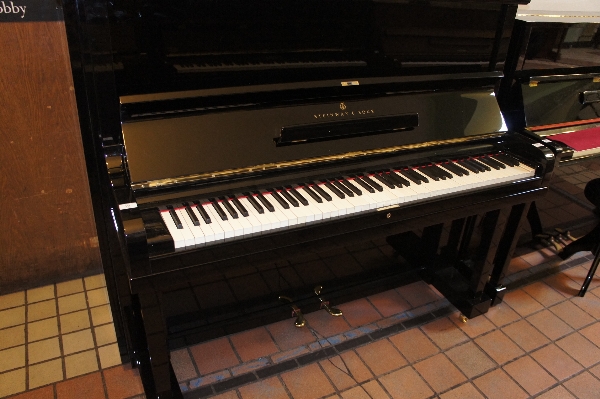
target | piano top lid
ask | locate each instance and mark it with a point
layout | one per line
(176, 45)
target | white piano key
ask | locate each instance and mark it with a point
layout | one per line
(215, 228)
(258, 225)
(196, 232)
(176, 234)
(227, 229)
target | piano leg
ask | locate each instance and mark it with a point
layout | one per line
(156, 371)
(494, 288)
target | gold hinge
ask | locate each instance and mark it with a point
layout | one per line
(533, 83)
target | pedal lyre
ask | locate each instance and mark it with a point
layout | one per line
(300, 320)
(325, 304)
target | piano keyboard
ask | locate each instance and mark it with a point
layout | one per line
(239, 215)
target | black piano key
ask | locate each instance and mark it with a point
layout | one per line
(351, 186)
(228, 207)
(427, 171)
(202, 212)
(312, 194)
(191, 214)
(363, 184)
(288, 197)
(444, 174)
(409, 176)
(264, 201)
(278, 198)
(386, 176)
(322, 192)
(476, 165)
(341, 187)
(254, 203)
(397, 179)
(454, 168)
(491, 161)
(371, 183)
(467, 165)
(218, 208)
(488, 163)
(507, 159)
(383, 181)
(333, 189)
(239, 206)
(175, 217)
(296, 194)
(483, 165)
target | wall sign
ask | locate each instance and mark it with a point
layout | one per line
(30, 10)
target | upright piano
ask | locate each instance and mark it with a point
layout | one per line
(241, 153)
(552, 78)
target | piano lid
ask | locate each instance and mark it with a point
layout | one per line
(173, 45)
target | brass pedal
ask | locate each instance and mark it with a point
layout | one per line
(564, 233)
(557, 246)
(325, 304)
(300, 320)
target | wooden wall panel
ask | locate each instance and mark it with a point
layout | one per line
(47, 231)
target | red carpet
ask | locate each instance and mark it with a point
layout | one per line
(580, 140)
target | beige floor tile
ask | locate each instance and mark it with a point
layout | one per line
(109, 356)
(12, 300)
(12, 336)
(40, 294)
(93, 282)
(41, 310)
(105, 334)
(45, 373)
(12, 382)
(69, 287)
(74, 321)
(43, 350)
(12, 317)
(12, 358)
(42, 329)
(71, 303)
(101, 315)
(81, 363)
(77, 341)
(97, 297)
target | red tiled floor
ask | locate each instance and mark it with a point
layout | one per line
(122, 382)
(584, 386)
(471, 360)
(374, 390)
(268, 388)
(359, 313)
(501, 315)
(444, 333)
(405, 383)
(381, 357)
(543, 293)
(473, 327)
(522, 302)
(325, 324)
(499, 347)
(580, 349)
(533, 378)
(214, 355)
(88, 386)
(558, 392)
(288, 336)
(253, 344)
(549, 324)
(556, 361)
(595, 371)
(226, 395)
(562, 284)
(592, 333)
(518, 264)
(525, 335)
(572, 314)
(465, 391)
(355, 393)
(414, 345)
(589, 304)
(307, 382)
(439, 372)
(389, 303)
(183, 365)
(346, 370)
(40, 393)
(417, 294)
(498, 385)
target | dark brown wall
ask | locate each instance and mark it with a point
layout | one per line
(47, 231)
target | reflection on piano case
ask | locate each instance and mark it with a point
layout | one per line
(240, 152)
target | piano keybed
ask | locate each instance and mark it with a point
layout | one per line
(237, 215)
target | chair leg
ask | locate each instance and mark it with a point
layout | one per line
(591, 272)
